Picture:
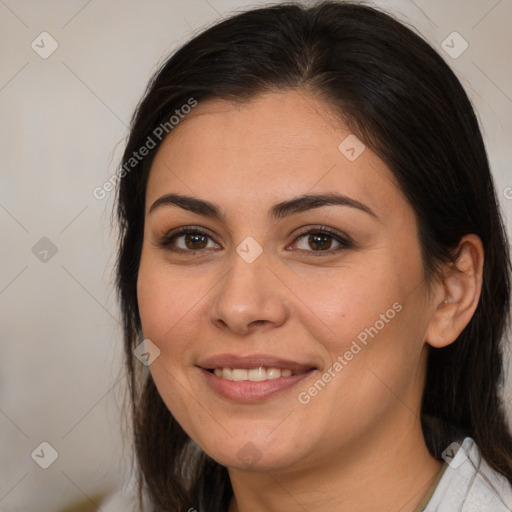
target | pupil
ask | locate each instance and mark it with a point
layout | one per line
(316, 241)
(194, 239)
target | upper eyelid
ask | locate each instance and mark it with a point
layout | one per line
(166, 238)
(322, 229)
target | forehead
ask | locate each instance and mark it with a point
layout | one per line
(277, 145)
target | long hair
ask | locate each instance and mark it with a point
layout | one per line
(397, 95)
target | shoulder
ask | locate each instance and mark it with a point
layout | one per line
(469, 484)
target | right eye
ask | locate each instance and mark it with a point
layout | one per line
(186, 240)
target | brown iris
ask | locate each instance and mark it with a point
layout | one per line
(319, 241)
(193, 239)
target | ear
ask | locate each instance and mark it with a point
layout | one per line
(456, 296)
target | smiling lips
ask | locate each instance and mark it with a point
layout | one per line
(253, 378)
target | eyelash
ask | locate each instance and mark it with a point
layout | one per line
(167, 240)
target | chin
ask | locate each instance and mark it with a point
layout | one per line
(255, 454)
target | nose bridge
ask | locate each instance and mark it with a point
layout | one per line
(250, 292)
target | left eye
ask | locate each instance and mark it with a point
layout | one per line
(321, 240)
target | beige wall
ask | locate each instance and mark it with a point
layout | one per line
(62, 123)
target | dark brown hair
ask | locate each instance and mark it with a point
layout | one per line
(397, 95)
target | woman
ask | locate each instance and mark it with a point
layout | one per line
(312, 251)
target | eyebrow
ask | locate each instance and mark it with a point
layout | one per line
(277, 211)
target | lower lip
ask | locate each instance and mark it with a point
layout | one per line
(248, 391)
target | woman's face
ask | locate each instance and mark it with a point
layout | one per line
(258, 291)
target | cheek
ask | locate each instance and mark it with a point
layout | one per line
(165, 302)
(167, 305)
(340, 305)
(370, 321)
(153, 309)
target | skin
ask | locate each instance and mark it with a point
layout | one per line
(357, 445)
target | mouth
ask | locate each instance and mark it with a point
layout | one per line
(254, 378)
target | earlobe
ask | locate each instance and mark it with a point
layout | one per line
(457, 294)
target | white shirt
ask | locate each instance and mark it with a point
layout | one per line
(469, 484)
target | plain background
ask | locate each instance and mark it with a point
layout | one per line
(63, 121)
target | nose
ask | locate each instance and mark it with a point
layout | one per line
(250, 295)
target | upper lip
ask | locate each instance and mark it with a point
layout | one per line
(252, 361)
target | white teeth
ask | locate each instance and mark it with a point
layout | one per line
(257, 374)
(239, 374)
(252, 374)
(273, 373)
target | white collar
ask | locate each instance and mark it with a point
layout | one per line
(469, 484)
